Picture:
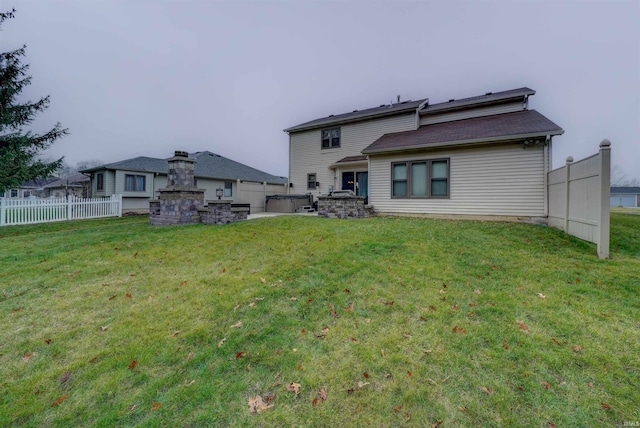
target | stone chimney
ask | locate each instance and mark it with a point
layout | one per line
(180, 201)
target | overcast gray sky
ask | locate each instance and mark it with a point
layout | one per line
(144, 78)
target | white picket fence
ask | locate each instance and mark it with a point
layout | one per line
(35, 210)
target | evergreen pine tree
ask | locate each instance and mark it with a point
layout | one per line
(19, 150)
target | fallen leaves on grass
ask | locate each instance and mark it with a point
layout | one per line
(522, 325)
(542, 296)
(64, 378)
(486, 390)
(505, 345)
(132, 364)
(436, 424)
(396, 409)
(60, 400)
(27, 356)
(457, 329)
(605, 406)
(576, 348)
(156, 405)
(240, 354)
(222, 341)
(190, 355)
(321, 396)
(463, 408)
(349, 308)
(237, 325)
(293, 387)
(406, 335)
(546, 385)
(257, 404)
(362, 384)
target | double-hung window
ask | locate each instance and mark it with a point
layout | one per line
(311, 181)
(100, 181)
(134, 183)
(228, 186)
(420, 179)
(330, 138)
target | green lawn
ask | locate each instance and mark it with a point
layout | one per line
(399, 321)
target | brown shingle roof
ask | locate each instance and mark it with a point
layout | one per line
(358, 115)
(521, 124)
(353, 159)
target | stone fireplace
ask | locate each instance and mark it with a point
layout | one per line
(181, 200)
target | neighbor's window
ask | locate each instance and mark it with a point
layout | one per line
(228, 186)
(311, 181)
(26, 193)
(134, 183)
(14, 193)
(330, 138)
(420, 179)
(100, 181)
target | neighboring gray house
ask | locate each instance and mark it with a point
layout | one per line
(482, 156)
(625, 197)
(138, 180)
(76, 185)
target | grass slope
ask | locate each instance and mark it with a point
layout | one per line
(401, 321)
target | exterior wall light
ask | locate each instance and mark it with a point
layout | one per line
(219, 192)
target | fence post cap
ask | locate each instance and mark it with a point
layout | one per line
(605, 143)
(569, 159)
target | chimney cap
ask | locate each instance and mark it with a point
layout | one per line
(181, 153)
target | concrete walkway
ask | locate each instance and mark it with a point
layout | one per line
(266, 214)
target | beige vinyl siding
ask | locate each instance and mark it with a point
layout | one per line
(504, 180)
(430, 119)
(306, 155)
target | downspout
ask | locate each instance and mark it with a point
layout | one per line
(289, 177)
(420, 107)
(545, 167)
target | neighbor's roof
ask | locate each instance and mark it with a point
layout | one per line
(625, 190)
(517, 125)
(411, 106)
(72, 180)
(208, 165)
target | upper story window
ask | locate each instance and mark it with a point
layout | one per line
(228, 189)
(420, 179)
(14, 193)
(26, 194)
(330, 138)
(134, 183)
(100, 181)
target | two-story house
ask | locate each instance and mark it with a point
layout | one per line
(481, 156)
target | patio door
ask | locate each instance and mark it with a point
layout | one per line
(362, 183)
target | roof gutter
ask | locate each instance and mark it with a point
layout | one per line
(469, 142)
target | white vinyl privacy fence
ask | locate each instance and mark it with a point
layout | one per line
(579, 198)
(34, 210)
